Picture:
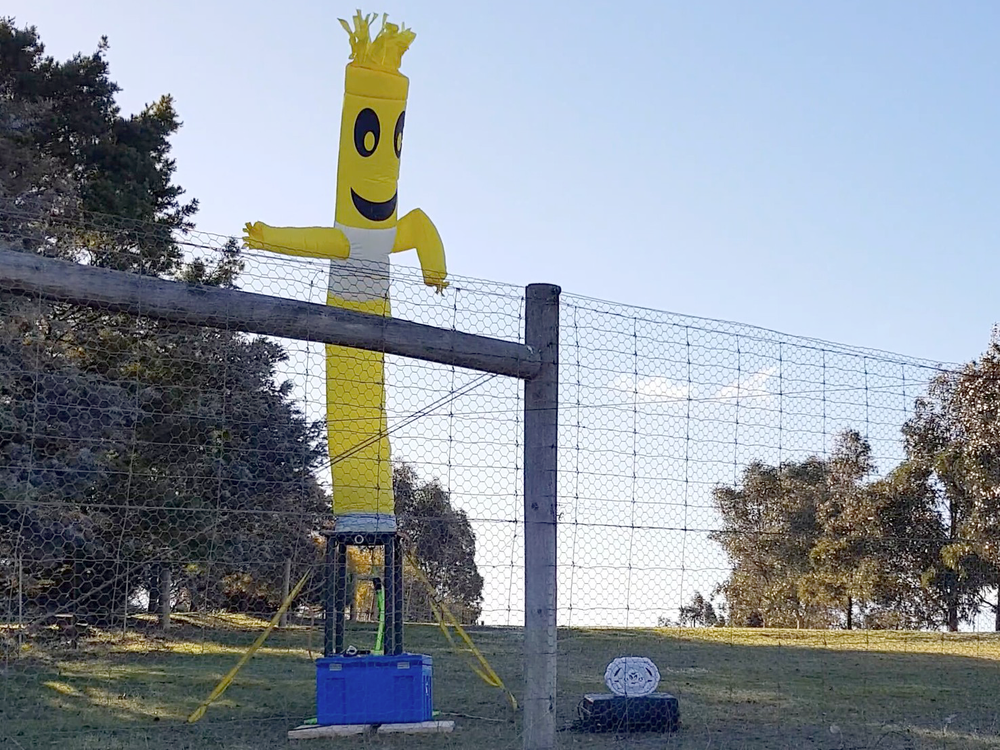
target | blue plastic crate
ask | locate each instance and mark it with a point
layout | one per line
(373, 689)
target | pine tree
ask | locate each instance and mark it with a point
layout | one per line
(130, 444)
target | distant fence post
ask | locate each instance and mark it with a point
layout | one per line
(20, 603)
(541, 426)
(165, 596)
(286, 583)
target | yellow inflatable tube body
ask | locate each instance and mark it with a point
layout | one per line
(358, 246)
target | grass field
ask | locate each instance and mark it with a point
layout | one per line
(737, 688)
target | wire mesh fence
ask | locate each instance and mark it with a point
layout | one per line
(786, 527)
(659, 411)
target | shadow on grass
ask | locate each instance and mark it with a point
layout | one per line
(737, 689)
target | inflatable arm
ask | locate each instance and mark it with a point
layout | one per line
(305, 242)
(416, 231)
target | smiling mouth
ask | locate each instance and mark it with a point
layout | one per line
(374, 211)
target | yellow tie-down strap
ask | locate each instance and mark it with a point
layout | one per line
(225, 681)
(444, 619)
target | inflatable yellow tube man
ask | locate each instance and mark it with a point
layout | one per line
(358, 246)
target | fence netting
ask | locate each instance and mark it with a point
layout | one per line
(787, 528)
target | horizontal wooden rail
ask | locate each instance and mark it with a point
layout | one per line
(62, 281)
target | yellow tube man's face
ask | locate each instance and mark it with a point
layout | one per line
(371, 141)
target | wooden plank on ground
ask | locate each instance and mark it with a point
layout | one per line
(314, 731)
(423, 727)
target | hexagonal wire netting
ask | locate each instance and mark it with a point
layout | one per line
(160, 475)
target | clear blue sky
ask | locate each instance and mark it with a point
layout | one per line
(826, 169)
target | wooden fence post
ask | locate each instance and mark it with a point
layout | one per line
(541, 434)
(165, 596)
(286, 584)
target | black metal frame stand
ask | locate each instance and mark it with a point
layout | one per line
(335, 598)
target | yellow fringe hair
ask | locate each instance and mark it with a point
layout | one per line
(385, 51)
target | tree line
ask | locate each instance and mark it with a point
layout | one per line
(128, 444)
(824, 542)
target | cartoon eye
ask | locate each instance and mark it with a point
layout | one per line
(366, 132)
(397, 137)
